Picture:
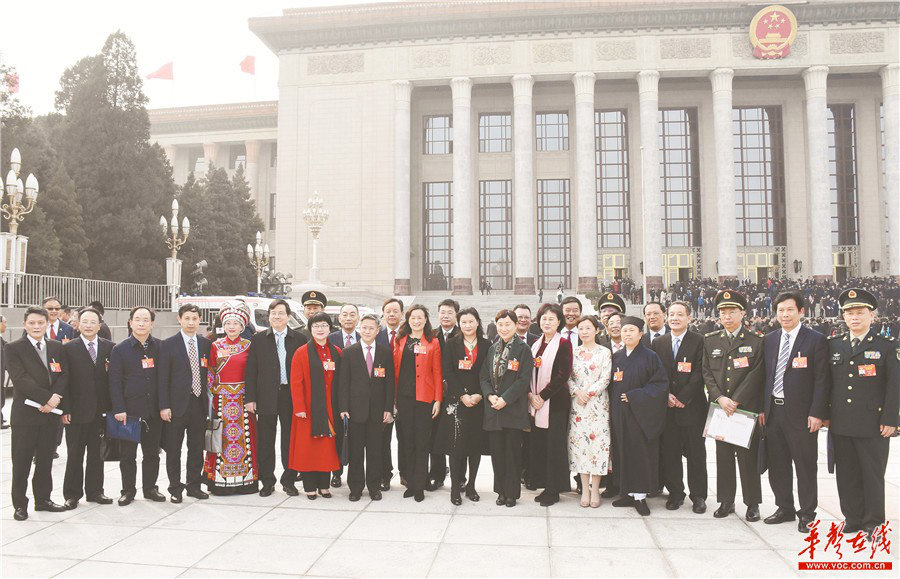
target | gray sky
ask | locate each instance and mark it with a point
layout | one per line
(206, 40)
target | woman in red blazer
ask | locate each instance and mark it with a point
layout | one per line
(419, 390)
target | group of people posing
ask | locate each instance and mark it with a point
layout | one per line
(551, 395)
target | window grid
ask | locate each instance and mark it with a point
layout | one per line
(495, 233)
(438, 226)
(554, 240)
(613, 190)
(842, 174)
(494, 133)
(438, 135)
(679, 177)
(552, 131)
(759, 176)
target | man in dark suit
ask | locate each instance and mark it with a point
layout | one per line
(391, 317)
(38, 370)
(134, 393)
(655, 316)
(88, 399)
(865, 411)
(795, 404)
(523, 326)
(571, 307)
(346, 335)
(681, 352)
(448, 310)
(268, 395)
(56, 328)
(104, 329)
(733, 372)
(184, 401)
(366, 398)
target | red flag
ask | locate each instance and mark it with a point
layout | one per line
(248, 65)
(12, 82)
(165, 72)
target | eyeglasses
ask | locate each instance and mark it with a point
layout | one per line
(322, 326)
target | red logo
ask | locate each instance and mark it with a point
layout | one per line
(875, 543)
(772, 32)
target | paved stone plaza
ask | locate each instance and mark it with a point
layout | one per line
(282, 536)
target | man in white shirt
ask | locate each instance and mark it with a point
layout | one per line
(347, 335)
(655, 316)
(571, 307)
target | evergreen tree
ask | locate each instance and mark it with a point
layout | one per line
(60, 203)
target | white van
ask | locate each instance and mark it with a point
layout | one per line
(259, 307)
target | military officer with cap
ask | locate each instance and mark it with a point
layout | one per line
(864, 405)
(313, 301)
(610, 303)
(733, 371)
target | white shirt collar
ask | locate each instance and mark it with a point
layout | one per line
(793, 333)
(54, 326)
(187, 339)
(86, 341)
(365, 347)
(35, 342)
(352, 336)
(282, 333)
(660, 332)
(628, 352)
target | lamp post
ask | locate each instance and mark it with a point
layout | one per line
(259, 259)
(14, 247)
(174, 241)
(315, 216)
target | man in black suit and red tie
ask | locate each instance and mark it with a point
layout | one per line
(523, 326)
(448, 310)
(37, 368)
(56, 328)
(184, 401)
(391, 317)
(797, 388)
(88, 399)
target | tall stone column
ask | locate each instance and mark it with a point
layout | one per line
(648, 96)
(523, 198)
(890, 90)
(170, 151)
(402, 217)
(463, 231)
(210, 154)
(815, 78)
(251, 171)
(584, 205)
(725, 203)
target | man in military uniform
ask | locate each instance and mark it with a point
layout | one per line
(864, 410)
(611, 303)
(733, 372)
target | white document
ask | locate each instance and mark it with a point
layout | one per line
(736, 429)
(29, 402)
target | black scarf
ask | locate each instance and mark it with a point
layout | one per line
(318, 405)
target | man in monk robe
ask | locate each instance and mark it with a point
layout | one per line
(639, 393)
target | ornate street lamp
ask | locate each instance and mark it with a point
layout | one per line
(315, 216)
(174, 241)
(13, 248)
(259, 259)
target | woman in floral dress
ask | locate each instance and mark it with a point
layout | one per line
(234, 470)
(589, 418)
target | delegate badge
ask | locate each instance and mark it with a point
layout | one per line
(866, 369)
(618, 375)
(379, 372)
(684, 367)
(799, 362)
(55, 367)
(147, 363)
(328, 365)
(513, 365)
(465, 364)
(741, 362)
(420, 349)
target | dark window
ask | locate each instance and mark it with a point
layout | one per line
(759, 176)
(237, 156)
(554, 242)
(438, 220)
(438, 135)
(552, 131)
(494, 133)
(679, 177)
(495, 233)
(271, 210)
(842, 174)
(196, 160)
(611, 159)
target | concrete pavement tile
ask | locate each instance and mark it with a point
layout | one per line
(152, 546)
(404, 527)
(15, 566)
(302, 523)
(592, 562)
(495, 529)
(101, 569)
(693, 562)
(350, 558)
(273, 554)
(201, 516)
(69, 541)
(491, 561)
(681, 534)
(621, 533)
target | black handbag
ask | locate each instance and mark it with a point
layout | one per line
(109, 448)
(345, 444)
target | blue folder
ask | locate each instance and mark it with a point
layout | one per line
(130, 431)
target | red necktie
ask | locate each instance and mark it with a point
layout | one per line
(52, 333)
(370, 362)
(393, 333)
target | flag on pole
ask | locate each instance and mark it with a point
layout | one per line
(248, 65)
(165, 72)
(12, 82)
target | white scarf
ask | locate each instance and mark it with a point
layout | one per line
(542, 416)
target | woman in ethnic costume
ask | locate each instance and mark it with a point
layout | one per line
(234, 471)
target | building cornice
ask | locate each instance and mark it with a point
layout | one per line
(397, 22)
(208, 118)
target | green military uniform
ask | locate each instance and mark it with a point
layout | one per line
(865, 395)
(734, 368)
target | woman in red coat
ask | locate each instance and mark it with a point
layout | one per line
(313, 370)
(420, 384)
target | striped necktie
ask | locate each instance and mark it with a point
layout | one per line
(783, 354)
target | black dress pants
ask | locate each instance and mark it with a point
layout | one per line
(150, 438)
(859, 468)
(548, 460)
(266, 430)
(33, 443)
(387, 464)
(458, 470)
(80, 480)
(506, 458)
(747, 462)
(786, 444)
(314, 481)
(415, 439)
(365, 445)
(194, 423)
(687, 441)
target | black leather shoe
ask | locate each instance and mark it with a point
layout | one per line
(803, 525)
(699, 506)
(625, 501)
(325, 493)
(472, 495)
(610, 492)
(780, 516)
(674, 503)
(126, 499)
(4, 426)
(455, 498)
(501, 500)
(154, 495)
(176, 497)
(290, 490)
(752, 514)
(354, 497)
(375, 495)
(408, 493)
(21, 514)
(386, 485)
(549, 500)
(420, 496)
(267, 490)
(100, 499)
(642, 508)
(404, 482)
(71, 504)
(724, 510)
(197, 494)
(510, 502)
(49, 506)
(336, 482)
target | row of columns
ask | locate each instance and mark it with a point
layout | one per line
(585, 240)
(211, 155)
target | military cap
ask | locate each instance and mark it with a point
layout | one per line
(857, 297)
(314, 298)
(613, 300)
(728, 298)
